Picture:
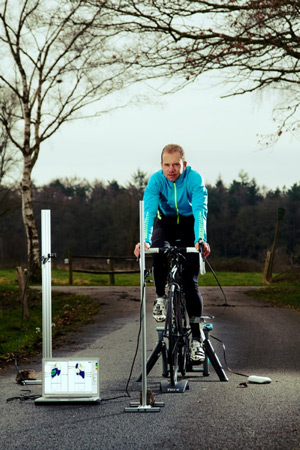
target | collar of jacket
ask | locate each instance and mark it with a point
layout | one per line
(182, 177)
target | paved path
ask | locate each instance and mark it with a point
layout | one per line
(259, 339)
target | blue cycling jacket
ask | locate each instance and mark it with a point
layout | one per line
(186, 197)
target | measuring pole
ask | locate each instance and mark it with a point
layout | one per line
(134, 406)
(143, 310)
(46, 284)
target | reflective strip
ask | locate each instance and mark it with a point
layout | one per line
(146, 226)
(201, 226)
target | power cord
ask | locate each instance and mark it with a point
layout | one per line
(136, 349)
(33, 397)
(225, 304)
(224, 356)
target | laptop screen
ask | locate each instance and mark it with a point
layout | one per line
(70, 377)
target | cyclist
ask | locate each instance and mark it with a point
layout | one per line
(175, 205)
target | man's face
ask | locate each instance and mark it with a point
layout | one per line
(172, 165)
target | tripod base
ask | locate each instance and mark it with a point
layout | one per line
(180, 387)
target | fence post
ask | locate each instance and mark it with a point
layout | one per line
(267, 277)
(111, 268)
(70, 267)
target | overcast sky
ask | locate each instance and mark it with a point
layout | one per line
(220, 137)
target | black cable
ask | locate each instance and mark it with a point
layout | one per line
(216, 278)
(22, 398)
(225, 305)
(33, 397)
(135, 355)
(224, 355)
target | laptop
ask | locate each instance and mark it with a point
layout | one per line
(70, 380)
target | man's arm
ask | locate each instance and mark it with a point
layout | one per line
(199, 205)
(151, 202)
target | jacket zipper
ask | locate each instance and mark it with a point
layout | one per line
(176, 206)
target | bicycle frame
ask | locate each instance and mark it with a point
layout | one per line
(176, 329)
(177, 357)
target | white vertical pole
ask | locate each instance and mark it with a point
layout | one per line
(143, 309)
(143, 407)
(46, 284)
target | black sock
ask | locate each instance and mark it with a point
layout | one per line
(195, 328)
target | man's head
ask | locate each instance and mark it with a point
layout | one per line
(173, 161)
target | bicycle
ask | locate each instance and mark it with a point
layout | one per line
(176, 356)
(176, 330)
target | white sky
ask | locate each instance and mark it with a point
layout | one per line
(220, 137)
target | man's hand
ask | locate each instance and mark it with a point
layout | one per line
(137, 248)
(206, 248)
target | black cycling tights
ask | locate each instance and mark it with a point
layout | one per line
(168, 231)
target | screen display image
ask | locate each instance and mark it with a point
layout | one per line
(71, 377)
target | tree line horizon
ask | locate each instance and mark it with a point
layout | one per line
(98, 218)
(61, 57)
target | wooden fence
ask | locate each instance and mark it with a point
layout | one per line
(111, 271)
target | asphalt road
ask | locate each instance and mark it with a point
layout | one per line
(259, 339)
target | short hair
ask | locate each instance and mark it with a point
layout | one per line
(171, 148)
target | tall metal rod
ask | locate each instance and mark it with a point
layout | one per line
(143, 306)
(46, 284)
(142, 406)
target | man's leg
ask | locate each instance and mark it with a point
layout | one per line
(194, 304)
(160, 270)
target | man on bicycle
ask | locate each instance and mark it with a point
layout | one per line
(175, 204)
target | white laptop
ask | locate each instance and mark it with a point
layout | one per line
(70, 380)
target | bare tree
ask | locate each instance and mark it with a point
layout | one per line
(253, 44)
(58, 57)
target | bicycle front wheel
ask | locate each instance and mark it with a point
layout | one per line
(173, 335)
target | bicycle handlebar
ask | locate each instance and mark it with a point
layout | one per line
(169, 249)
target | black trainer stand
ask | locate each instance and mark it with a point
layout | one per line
(210, 357)
(161, 350)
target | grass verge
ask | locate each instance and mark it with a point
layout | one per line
(68, 312)
(286, 294)
(61, 277)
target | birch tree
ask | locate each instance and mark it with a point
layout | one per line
(58, 57)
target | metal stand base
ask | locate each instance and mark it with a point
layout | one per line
(137, 407)
(27, 382)
(180, 387)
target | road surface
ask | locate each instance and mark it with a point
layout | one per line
(259, 339)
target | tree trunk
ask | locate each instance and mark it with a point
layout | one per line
(29, 220)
